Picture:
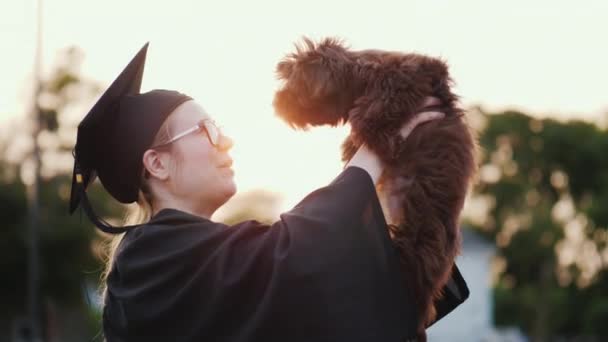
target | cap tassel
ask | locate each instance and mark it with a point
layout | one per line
(86, 205)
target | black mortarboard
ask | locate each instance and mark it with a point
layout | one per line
(114, 135)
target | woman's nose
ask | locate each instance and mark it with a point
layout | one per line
(225, 143)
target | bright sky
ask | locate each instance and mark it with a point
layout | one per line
(546, 57)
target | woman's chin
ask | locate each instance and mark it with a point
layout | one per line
(230, 189)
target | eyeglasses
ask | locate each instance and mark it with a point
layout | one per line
(212, 131)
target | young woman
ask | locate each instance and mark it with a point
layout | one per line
(326, 271)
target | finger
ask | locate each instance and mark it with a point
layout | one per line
(426, 116)
(430, 101)
(418, 119)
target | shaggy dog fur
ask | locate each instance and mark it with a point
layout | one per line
(426, 177)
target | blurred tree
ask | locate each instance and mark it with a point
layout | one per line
(67, 258)
(546, 183)
(260, 205)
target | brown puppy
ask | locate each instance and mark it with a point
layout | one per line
(426, 177)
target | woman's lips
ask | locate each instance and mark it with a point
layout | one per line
(226, 164)
(226, 167)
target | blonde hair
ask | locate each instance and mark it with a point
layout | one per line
(137, 213)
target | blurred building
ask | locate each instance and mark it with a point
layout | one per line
(473, 320)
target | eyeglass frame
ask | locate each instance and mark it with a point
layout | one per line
(202, 124)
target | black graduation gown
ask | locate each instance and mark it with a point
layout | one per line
(326, 271)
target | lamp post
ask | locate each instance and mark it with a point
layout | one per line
(33, 285)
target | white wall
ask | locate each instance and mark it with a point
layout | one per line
(471, 321)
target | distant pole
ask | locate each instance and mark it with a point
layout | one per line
(33, 288)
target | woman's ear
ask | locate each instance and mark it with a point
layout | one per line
(156, 164)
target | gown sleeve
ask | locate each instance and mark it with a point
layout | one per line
(455, 292)
(325, 271)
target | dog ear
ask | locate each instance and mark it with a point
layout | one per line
(318, 86)
(315, 62)
(304, 72)
(285, 69)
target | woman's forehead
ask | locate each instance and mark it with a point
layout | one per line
(189, 114)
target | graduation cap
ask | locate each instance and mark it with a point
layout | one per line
(114, 135)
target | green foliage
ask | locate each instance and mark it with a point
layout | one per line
(257, 205)
(67, 259)
(66, 256)
(540, 163)
(12, 243)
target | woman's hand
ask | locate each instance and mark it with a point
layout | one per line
(370, 162)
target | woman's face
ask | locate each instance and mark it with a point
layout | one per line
(201, 173)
